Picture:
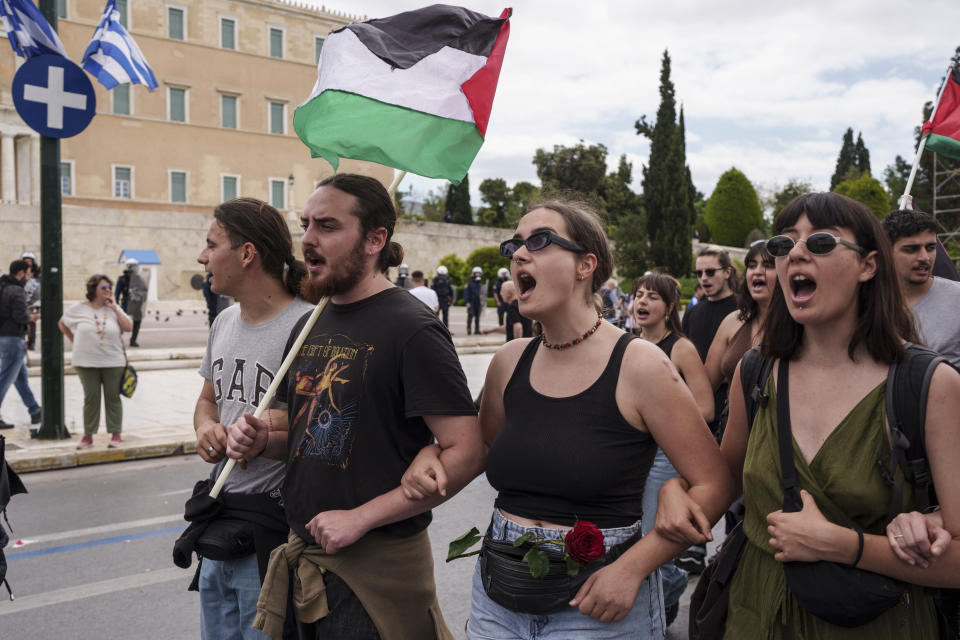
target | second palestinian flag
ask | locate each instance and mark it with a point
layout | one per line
(943, 131)
(413, 91)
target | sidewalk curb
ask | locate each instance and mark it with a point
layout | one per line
(30, 461)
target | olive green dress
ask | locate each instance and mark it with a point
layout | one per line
(844, 480)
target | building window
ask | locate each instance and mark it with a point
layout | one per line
(278, 118)
(278, 188)
(178, 186)
(229, 188)
(122, 10)
(121, 99)
(228, 33)
(62, 9)
(122, 182)
(228, 112)
(318, 47)
(177, 104)
(175, 23)
(276, 42)
(66, 178)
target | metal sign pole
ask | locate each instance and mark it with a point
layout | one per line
(51, 282)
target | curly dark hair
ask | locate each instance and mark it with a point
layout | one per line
(904, 223)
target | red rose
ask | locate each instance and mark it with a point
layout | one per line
(584, 543)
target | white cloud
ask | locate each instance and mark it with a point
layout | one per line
(765, 88)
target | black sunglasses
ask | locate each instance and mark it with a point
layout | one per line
(536, 242)
(819, 244)
(699, 272)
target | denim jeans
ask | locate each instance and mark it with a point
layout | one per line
(674, 578)
(228, 599)
(490, 621)
(347, 620)
(13, 371)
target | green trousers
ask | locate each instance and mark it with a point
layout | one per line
(93, 379)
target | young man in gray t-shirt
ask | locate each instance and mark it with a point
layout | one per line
(935, 302)
(248, 254)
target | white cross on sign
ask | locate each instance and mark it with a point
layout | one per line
(54, 96)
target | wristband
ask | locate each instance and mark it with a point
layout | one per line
(856, 561)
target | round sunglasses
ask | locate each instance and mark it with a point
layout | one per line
(819, 244)
(536, 242)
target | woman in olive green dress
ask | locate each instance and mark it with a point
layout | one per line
(838, 317)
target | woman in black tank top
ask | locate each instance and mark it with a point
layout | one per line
(655, 300)
(573, 419)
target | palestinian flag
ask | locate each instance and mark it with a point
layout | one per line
(943, 132)
(412, 91)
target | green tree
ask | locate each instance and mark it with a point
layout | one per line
(525, 195)
(458, 201)
(846, 161)
(666, 189)
(895, 178)
(733, 209)
(499, 198)
(488, 259)
(862, 155)
(433, 206)
(625, 221)
(578, 169)
(869, 191)
(782, 196)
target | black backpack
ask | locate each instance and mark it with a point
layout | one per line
(908, 384)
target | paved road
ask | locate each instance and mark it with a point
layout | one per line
(96, 560)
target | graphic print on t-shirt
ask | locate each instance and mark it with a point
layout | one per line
(328, 385)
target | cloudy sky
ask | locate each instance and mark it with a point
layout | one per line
(767, 86)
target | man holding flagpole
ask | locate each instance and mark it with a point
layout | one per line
(361, 403)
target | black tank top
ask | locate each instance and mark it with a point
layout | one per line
(666, 345)
(563, 459)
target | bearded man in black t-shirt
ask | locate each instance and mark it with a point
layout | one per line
(376, 379)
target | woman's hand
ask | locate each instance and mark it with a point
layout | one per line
(425, 476)
(918, 539)
(805, 535)
(609, 594)
(679, 518)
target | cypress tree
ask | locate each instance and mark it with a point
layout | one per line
(846, 160)
(862, 156)
(665, 183)
(458, 202)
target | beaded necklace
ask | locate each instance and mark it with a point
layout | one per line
(100, 327)
(567, 345)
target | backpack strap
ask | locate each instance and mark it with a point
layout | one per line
(754, 371)
(908, 383)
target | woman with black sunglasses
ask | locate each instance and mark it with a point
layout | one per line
(743, 328)
(838, 321)
(573, 419)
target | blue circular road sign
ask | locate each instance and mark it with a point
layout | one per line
(53, 96)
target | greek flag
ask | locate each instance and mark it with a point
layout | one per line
(112, 55)
(29, 32)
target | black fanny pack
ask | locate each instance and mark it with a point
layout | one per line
(506, 577)
(840, 594)
(226, 539)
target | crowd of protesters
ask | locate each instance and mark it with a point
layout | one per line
(615, 433)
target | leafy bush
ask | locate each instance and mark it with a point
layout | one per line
(733, 210)
(867, 190)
